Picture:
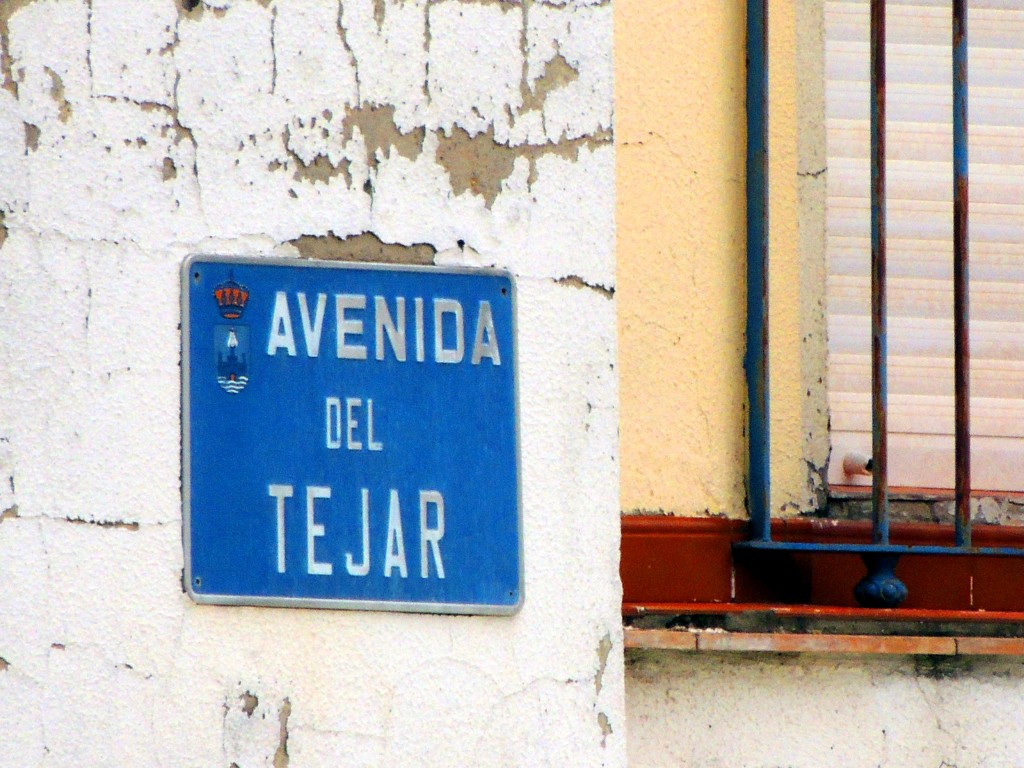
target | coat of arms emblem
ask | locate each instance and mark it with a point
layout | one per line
(231, 342)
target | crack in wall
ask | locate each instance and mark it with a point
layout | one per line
(578, 282)
(122, 524)
(273, 50)
(343, 35)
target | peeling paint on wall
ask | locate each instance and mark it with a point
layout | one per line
(558, 73)
(364, 247)
(249, 703)
(376, 125)
(281, 759)
(7, 9)
(475, 163)
(32, 133)
(57, 92)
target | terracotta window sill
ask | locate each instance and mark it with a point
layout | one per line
(685, 588)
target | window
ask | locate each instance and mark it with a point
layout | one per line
(681, 264)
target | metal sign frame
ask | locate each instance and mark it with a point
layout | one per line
(193, 588)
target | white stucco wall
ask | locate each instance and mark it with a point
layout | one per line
(135, 133)
(807, 711)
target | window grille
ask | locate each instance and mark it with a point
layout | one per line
(880, 587)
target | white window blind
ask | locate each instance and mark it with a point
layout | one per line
(920, 228)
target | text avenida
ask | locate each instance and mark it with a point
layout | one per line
(393, 327)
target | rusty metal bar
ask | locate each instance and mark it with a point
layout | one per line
(879, 373)
(961, 290)
(755, 360)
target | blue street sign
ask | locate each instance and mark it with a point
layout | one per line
(350, 436)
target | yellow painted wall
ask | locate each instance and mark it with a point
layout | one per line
(681, 138)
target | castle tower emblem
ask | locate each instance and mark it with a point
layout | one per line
(231, 342)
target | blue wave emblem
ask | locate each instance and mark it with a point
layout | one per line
(233, 386)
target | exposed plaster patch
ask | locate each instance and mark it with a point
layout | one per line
(7, 9)
(58, 646)
(281, 759)
(32, 134)
(364, 247)
(476, 163)
(378, 131)
(11, 513)
(169, 170)
(4, 665)
(505, 5)
(570, 150)
(603, 649)
(817, 483)
(377, 126)
(578, 282)
(195, 9)
(249, 703)
(558, 73)
(379, 8)
(102, 523)
(319, 169)
(57, 92)
(605, 726)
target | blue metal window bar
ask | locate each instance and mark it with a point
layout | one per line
(880, 587)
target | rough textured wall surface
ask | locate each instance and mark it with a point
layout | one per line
(720, 711)
(681, 140)
(134, 133)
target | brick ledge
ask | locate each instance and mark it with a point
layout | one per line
(778, 642)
